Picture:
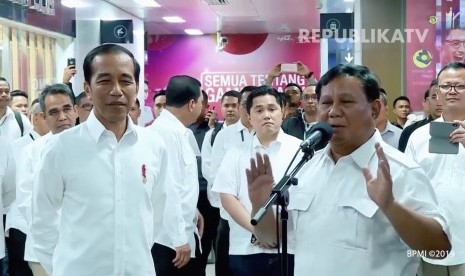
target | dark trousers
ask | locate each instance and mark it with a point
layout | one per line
(15, 244)
(222, 249)
(211, 216)
(163, 259)
(259, 265)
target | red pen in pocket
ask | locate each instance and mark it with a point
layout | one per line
(144, 174)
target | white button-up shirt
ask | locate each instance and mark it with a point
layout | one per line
(27, 169)
(107, 192)
(182, 204)
(9, 127)
(14, 219)
(447, 174)
(7, 183)
(391, 134)
(230, 137)
(339, 229)
(231, 179)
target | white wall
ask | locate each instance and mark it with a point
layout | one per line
(88, 37)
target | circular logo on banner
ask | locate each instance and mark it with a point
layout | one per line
(333, 24)
(120, 31)
(422, 58)
(432, 20)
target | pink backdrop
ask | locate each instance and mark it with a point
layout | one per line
(245, 60)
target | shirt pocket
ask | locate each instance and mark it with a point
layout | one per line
(355, 223)
(299, 202)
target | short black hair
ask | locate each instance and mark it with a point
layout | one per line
(232, 93)
(294, 84)
(452, 65)
(18, 93)
(400, 98)
(108, 49)
(54, 89)
(383, 96)
(159, 93)
(248, 88)
(205, 96)
(3, 79)
(137, 103)
(262, 91)
(428, 91)
(79, 97)
(181, 90)
(366, 77)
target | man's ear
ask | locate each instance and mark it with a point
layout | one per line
(191, 105)
(87, 90)
(375, 108)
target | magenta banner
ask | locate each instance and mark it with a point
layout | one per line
(245, 60)
(443, 43)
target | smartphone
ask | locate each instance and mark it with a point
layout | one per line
(72, 62)
(440, 138)
(289, 67)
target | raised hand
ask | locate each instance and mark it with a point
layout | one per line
(458, 135)
(380, 188)
(259, 179)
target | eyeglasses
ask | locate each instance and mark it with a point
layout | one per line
(456, 43)
(310, 97)
(446, 88)
(87, 107)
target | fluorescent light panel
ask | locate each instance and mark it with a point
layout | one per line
(193, 32)
(173, 19)
(74, 3)
(148, 3)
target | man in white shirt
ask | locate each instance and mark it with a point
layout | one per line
(17, 222)
(105, 177)
(446, 171)
(265, 107)
(235, 135)
(346, 221)
(10, 127)
(230, 110)
(389, 132)
(7, 184)
(177, 252)
(59, 112)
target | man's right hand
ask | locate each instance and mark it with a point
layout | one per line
(68, 73)
(274, 73)
(183, 255)
(259, 179)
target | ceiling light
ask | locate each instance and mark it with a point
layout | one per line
(74, 3)
(173, 19)
(348, 0)
(193, 32)
(148, 3)
(348, 10)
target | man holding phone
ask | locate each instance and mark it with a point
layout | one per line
(446, 171)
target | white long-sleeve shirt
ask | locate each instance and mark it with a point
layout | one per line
(14, 218)
(25, 177)
(447, 174)
(107, 192)
(235, 135)
(9, 127)
(7, 182)
(182, 203)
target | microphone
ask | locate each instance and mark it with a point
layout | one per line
(320, 132)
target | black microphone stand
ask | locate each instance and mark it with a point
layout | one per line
(280, 196)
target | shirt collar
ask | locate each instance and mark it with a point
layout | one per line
(97, 129)
(363, 154)
(256, 144)
(9, 112)
(388, 127)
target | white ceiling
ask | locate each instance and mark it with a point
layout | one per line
(239, 16)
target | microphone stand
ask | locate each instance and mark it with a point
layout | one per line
(280, 196)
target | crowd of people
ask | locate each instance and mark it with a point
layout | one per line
(86, 190)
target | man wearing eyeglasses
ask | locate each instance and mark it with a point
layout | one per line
(446, 171)
(84, 106)
(453, 47)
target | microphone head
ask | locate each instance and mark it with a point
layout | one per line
(325, 129)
